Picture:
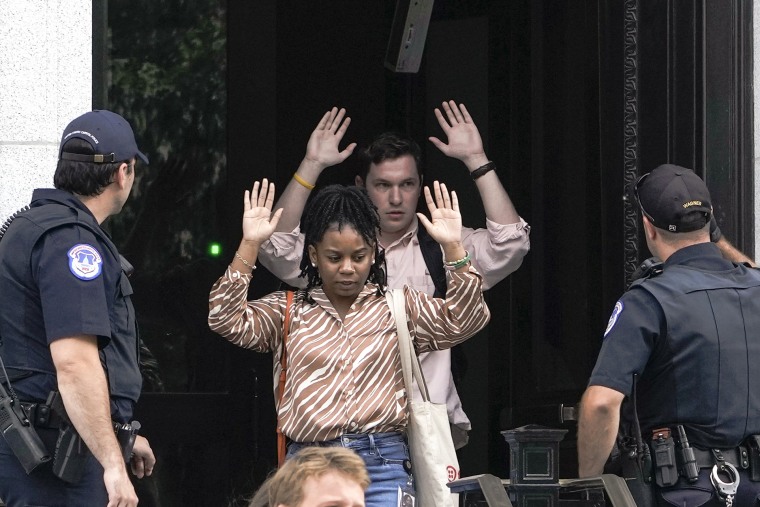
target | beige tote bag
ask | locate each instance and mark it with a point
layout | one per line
(434, 459)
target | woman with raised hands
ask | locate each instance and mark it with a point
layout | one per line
(344, 384)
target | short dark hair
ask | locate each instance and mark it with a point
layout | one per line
(84, 178)
(390, 146)
(338, 205)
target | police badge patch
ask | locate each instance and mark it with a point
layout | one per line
(85, 262)
(613, 318)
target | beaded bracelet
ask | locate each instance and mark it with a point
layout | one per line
(454, 265)
(303, 182)
(252, 266)
(480, 171)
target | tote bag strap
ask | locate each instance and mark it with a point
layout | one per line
(281, 442)
(410, 363)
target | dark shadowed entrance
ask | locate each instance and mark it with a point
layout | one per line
(574, 100)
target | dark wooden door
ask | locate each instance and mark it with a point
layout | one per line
(584, 97)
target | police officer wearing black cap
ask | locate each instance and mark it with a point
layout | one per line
(683, 345)
(68, 336)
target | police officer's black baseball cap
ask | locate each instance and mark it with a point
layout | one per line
(109, 134)
(674, 199)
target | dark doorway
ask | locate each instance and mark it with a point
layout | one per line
(573, 100)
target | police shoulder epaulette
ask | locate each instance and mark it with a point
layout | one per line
(7, 223)
(650, 268)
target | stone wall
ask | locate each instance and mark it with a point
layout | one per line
(45, 82)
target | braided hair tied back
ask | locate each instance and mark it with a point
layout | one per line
(341, 206)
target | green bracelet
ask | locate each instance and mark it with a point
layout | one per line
(454, 265)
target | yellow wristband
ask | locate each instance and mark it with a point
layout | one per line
(303, 182)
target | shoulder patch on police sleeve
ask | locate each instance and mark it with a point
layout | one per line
(614, 317)
(85, 262)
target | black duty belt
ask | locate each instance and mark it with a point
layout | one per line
(738, 456)
(41, 416)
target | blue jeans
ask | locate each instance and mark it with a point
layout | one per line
(383, 454)
(41, 487)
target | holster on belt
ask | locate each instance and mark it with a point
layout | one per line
(126, 434)
(663, 452)
(71, 453)
(753, 448)
(636, 468)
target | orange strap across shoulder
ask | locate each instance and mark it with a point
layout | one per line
(281, 441)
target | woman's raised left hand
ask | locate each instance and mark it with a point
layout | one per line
(445, 225)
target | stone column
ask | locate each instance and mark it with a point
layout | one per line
(45, 82)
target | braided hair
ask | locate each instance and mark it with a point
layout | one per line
(340, 206)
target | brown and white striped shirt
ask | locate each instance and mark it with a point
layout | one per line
(343, 376)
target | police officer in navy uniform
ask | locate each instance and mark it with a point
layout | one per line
(67, 323)
(683, 345)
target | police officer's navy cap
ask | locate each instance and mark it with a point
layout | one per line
(674, 198)
(109, 135)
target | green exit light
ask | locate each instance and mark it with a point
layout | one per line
(214, 249)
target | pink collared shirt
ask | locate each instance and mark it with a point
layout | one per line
(497, 251)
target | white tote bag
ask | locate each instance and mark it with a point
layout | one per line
(434, 459)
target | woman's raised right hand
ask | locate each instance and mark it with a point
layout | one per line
(258, 220)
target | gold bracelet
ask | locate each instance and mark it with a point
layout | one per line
(303, 182)
(252, 266)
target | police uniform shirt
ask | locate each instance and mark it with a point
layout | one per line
(681, 384)
(65, 282)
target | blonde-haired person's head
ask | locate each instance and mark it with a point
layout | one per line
(313, 475)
